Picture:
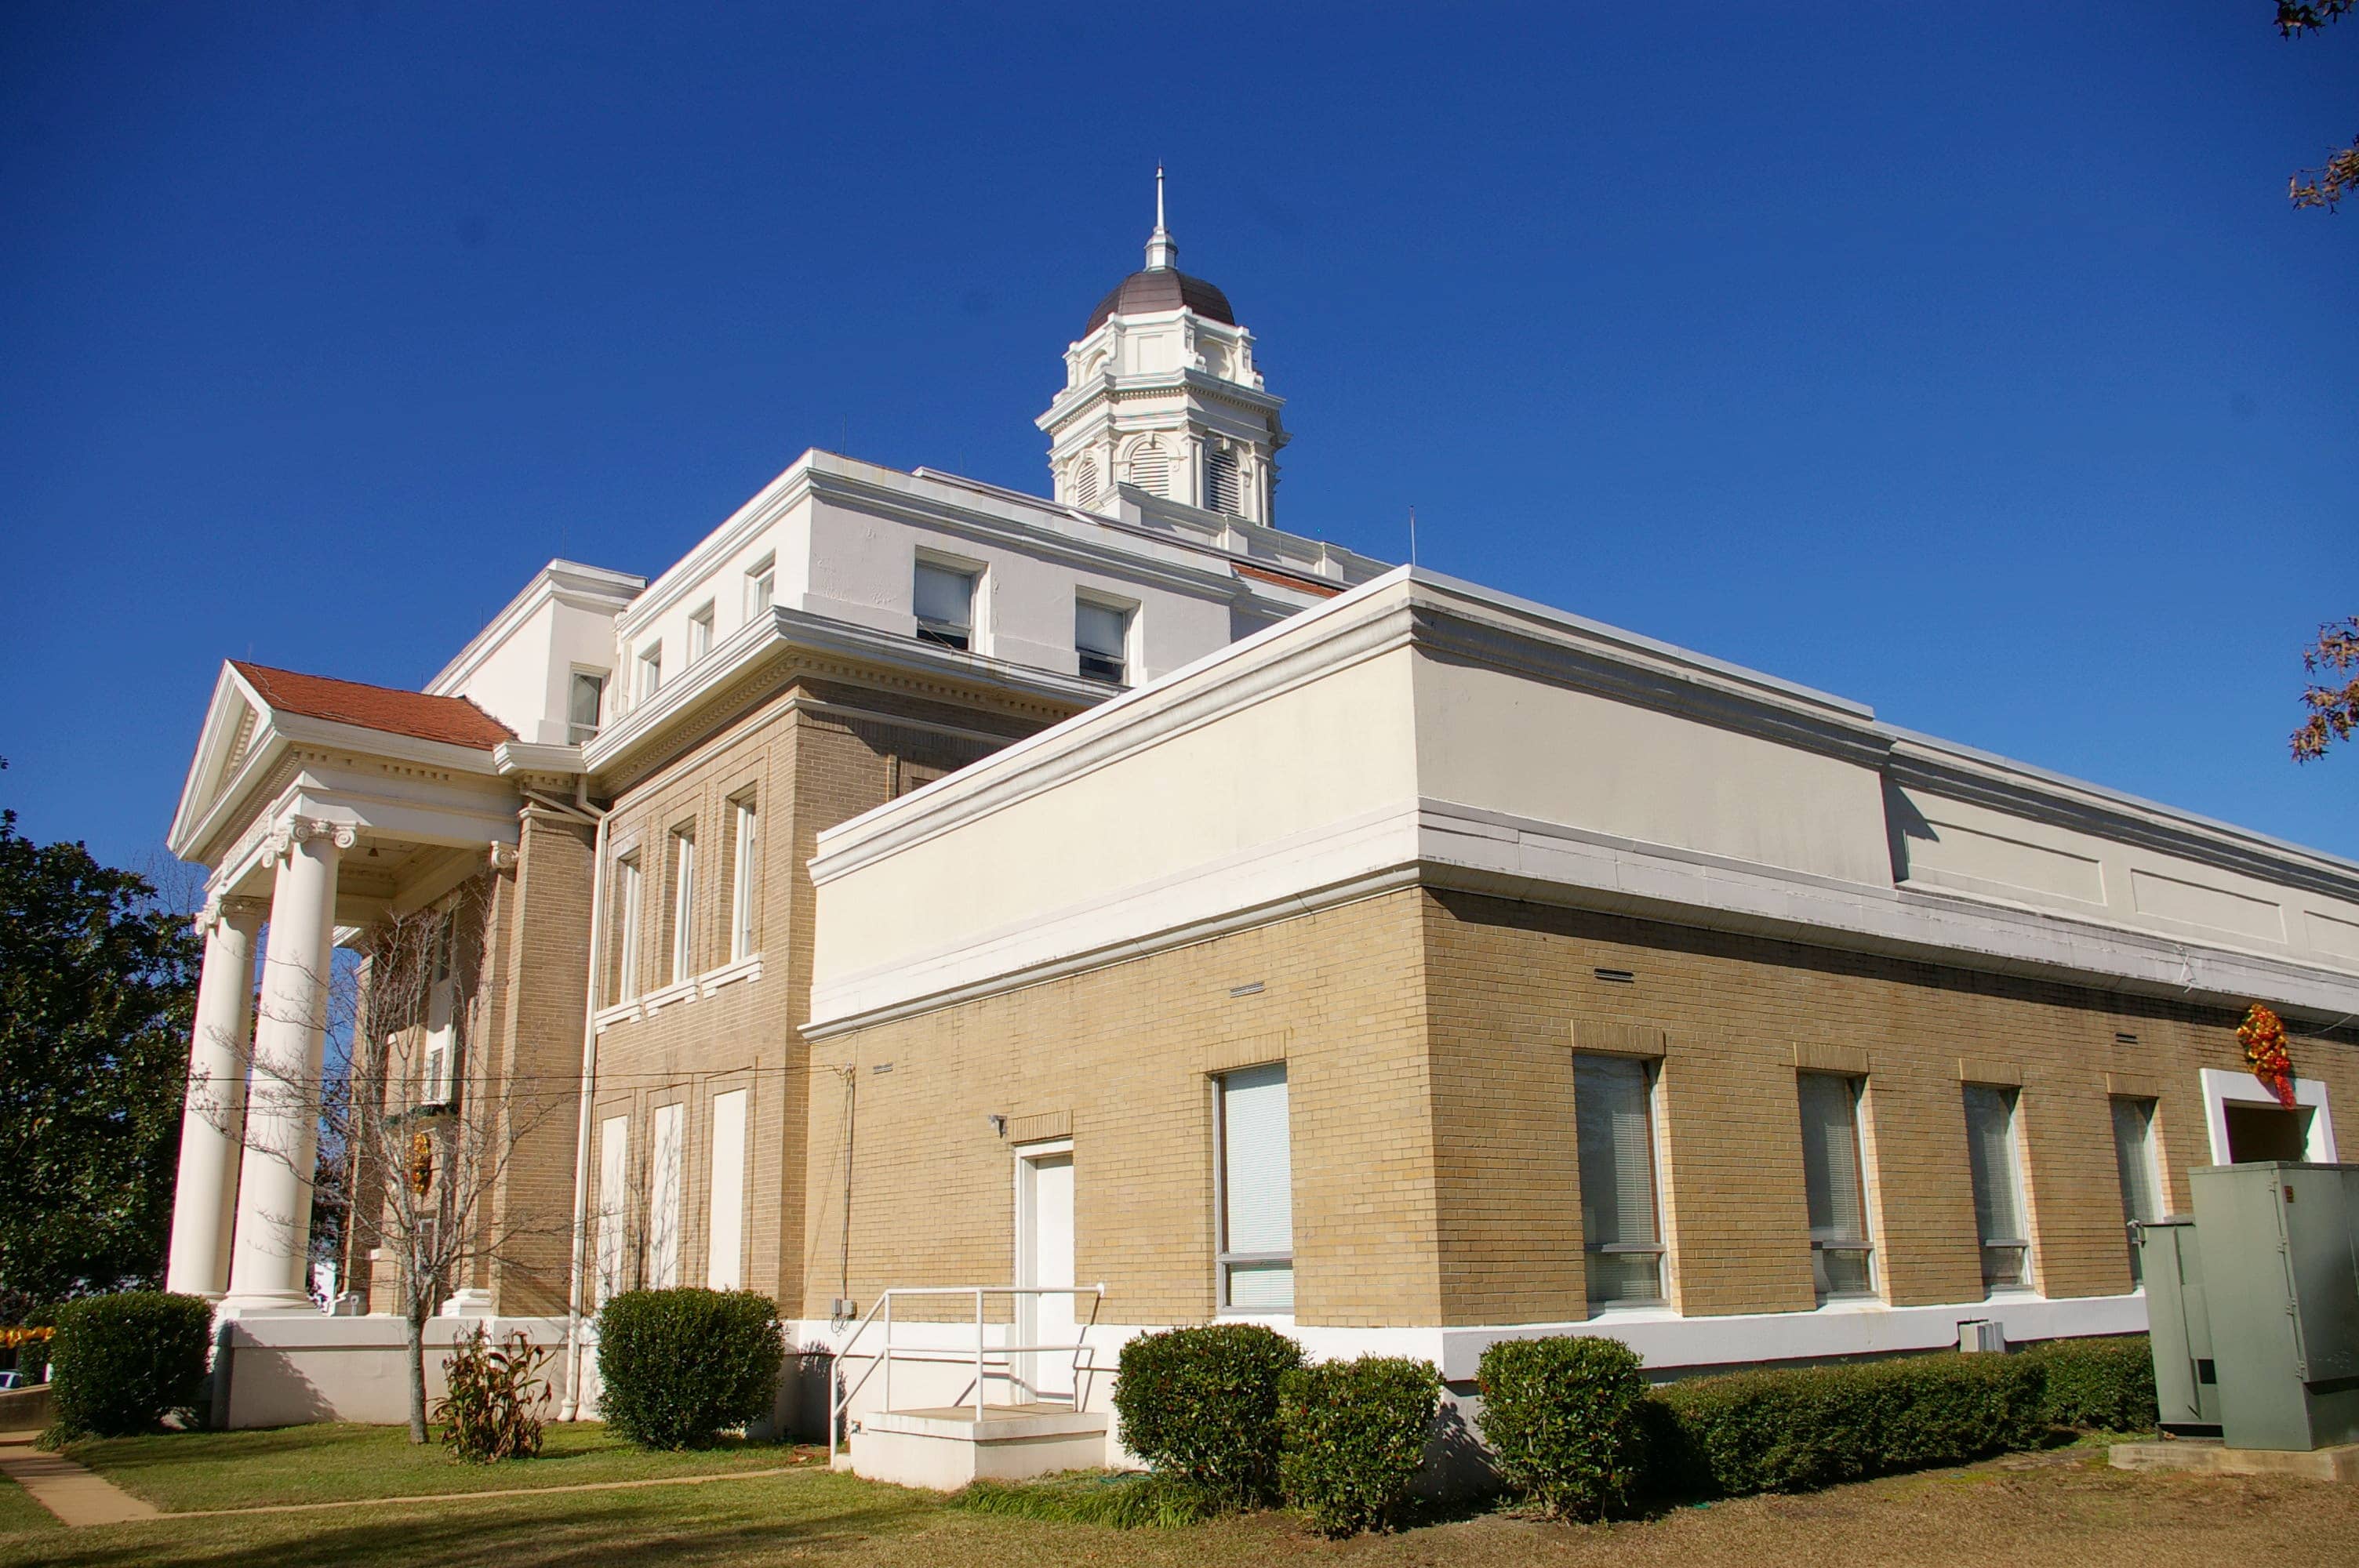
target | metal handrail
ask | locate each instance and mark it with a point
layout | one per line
(840, 1394)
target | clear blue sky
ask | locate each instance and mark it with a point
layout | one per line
(1965, 361)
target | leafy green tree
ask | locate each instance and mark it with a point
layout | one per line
(97, 984)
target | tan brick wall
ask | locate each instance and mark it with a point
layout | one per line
(1122, 1055)
(807, 769)
(1429, 1038)
(1735, 1016)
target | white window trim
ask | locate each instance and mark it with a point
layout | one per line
(700, 631)
(683, 907)
(606, 694)
(2223, 1088)
(748, 968)
(767, 567)
(978, 576)
(745, 865)
(631, 895)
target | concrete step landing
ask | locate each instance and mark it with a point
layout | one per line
(945, 1447)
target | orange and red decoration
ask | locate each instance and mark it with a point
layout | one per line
(2263, 1032)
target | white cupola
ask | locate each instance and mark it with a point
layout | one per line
(1161, 394)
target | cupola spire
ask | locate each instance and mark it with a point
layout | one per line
(1162, 250)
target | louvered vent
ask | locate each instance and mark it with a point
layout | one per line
(1223, 491)
(1085, 482)
(1150, 471)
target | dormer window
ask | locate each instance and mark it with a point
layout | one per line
(650, 671)
(582, 705)
(945, 604)
(700, 633)
(1101, 641)
(761, 585)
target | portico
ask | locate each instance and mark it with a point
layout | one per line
(321, 810)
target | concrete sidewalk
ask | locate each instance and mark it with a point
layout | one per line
(75, 1494)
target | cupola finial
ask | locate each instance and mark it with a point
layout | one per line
(1162, 251)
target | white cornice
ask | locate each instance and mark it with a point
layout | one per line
(785, 631)
(685, 575)
(594, 588)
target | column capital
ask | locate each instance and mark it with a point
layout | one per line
(302, 829)
(245, 912)
(504, 857)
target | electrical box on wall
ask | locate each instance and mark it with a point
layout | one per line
(2186, 1378)
(2280, 1285)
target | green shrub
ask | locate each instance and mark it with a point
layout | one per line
(675, 1366)
(1791, 1430)
(497, 1401)
(1202, 1404)
(2098, 1385)
(1353, 1435)
(1563, 1419)
(120, 1364)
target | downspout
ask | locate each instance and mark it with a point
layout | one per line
(571, 1409)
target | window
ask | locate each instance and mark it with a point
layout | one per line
(724, 1205)
(743, 886)
(663, 1198)
(1255, 1164)
(1612, 1108)
(945, 600)
(761, 585)
(614, 1167)
(437, 1069)
(1992, 1151)
(2141, 1173)
(700, 633)
(1224, 487)
(582, 705)
(683, 903)
(627, 924)
(650, 670)
(1101, 638)
(1841, 1259)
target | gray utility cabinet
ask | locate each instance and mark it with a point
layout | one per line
(2280, 1287)
(2185, 1379)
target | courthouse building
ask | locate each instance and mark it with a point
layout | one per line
(924, 884)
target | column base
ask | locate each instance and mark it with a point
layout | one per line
(467, 1302)
(266, 1304)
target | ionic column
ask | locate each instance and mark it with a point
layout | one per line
(282, 1119)
(213, 1125)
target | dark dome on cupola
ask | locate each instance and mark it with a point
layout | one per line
(1163, 289)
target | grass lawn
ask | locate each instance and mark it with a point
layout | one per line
(19, 1513)
(184, 1471)
(2063, 1510)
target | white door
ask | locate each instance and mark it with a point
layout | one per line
(1044, 1256)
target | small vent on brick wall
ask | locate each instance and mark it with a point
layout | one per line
(1619, 977)
(882, 1067)
(1252, 989)
(2124, 1037)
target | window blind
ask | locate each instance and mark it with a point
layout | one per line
(944, 596)
(1617, 1154)
(1830, 1169)
(2133, 1154)
(1998, 1190)
(1100, 629)
(1257, 1187)
(724, 1209)
(614, 1168)
(663, 1200)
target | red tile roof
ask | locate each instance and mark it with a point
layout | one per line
(1290, 579)
(452, 720)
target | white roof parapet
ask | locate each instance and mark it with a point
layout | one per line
(1464, 737)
